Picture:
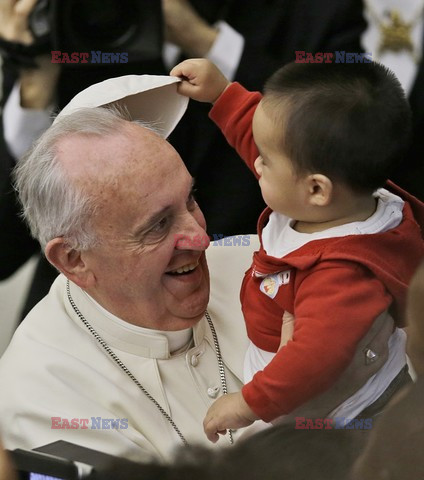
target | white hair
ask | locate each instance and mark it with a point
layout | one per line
(52, 204)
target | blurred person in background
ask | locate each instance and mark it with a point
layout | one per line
(395, 447)
(395, 37)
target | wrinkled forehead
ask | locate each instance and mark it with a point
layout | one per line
(123, 152)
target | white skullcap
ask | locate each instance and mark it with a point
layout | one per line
(150, 98)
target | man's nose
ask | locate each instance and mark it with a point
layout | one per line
(192, 235)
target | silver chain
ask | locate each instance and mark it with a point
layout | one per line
(123, 367)
(220, 364)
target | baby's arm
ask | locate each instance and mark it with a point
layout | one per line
(335, 306)
(233, 107)
(232, 411)
(229, 411)
(201, 80)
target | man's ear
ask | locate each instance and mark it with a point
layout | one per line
(70, 262)
(320, 190)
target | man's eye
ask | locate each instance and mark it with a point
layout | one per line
(157, 232)
(160, 226)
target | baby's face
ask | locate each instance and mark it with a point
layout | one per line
(280, 185)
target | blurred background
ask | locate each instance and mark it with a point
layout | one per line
(12, 291)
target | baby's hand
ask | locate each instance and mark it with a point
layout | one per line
(229, 411)
(201, 80)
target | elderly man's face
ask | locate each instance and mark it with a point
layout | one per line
(149, 227)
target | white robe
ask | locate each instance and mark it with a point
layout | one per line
(54, 367)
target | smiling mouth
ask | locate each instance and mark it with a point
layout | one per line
(184, 270)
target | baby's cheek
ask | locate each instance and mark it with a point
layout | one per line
(258, 166)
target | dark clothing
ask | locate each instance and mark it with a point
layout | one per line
(410, 173)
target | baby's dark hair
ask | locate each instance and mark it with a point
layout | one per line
(350, 122)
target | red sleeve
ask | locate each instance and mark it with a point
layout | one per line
(233, 114)
(335, 306)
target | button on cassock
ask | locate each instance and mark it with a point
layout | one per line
(213, 392)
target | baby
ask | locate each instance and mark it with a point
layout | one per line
(336, 248)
